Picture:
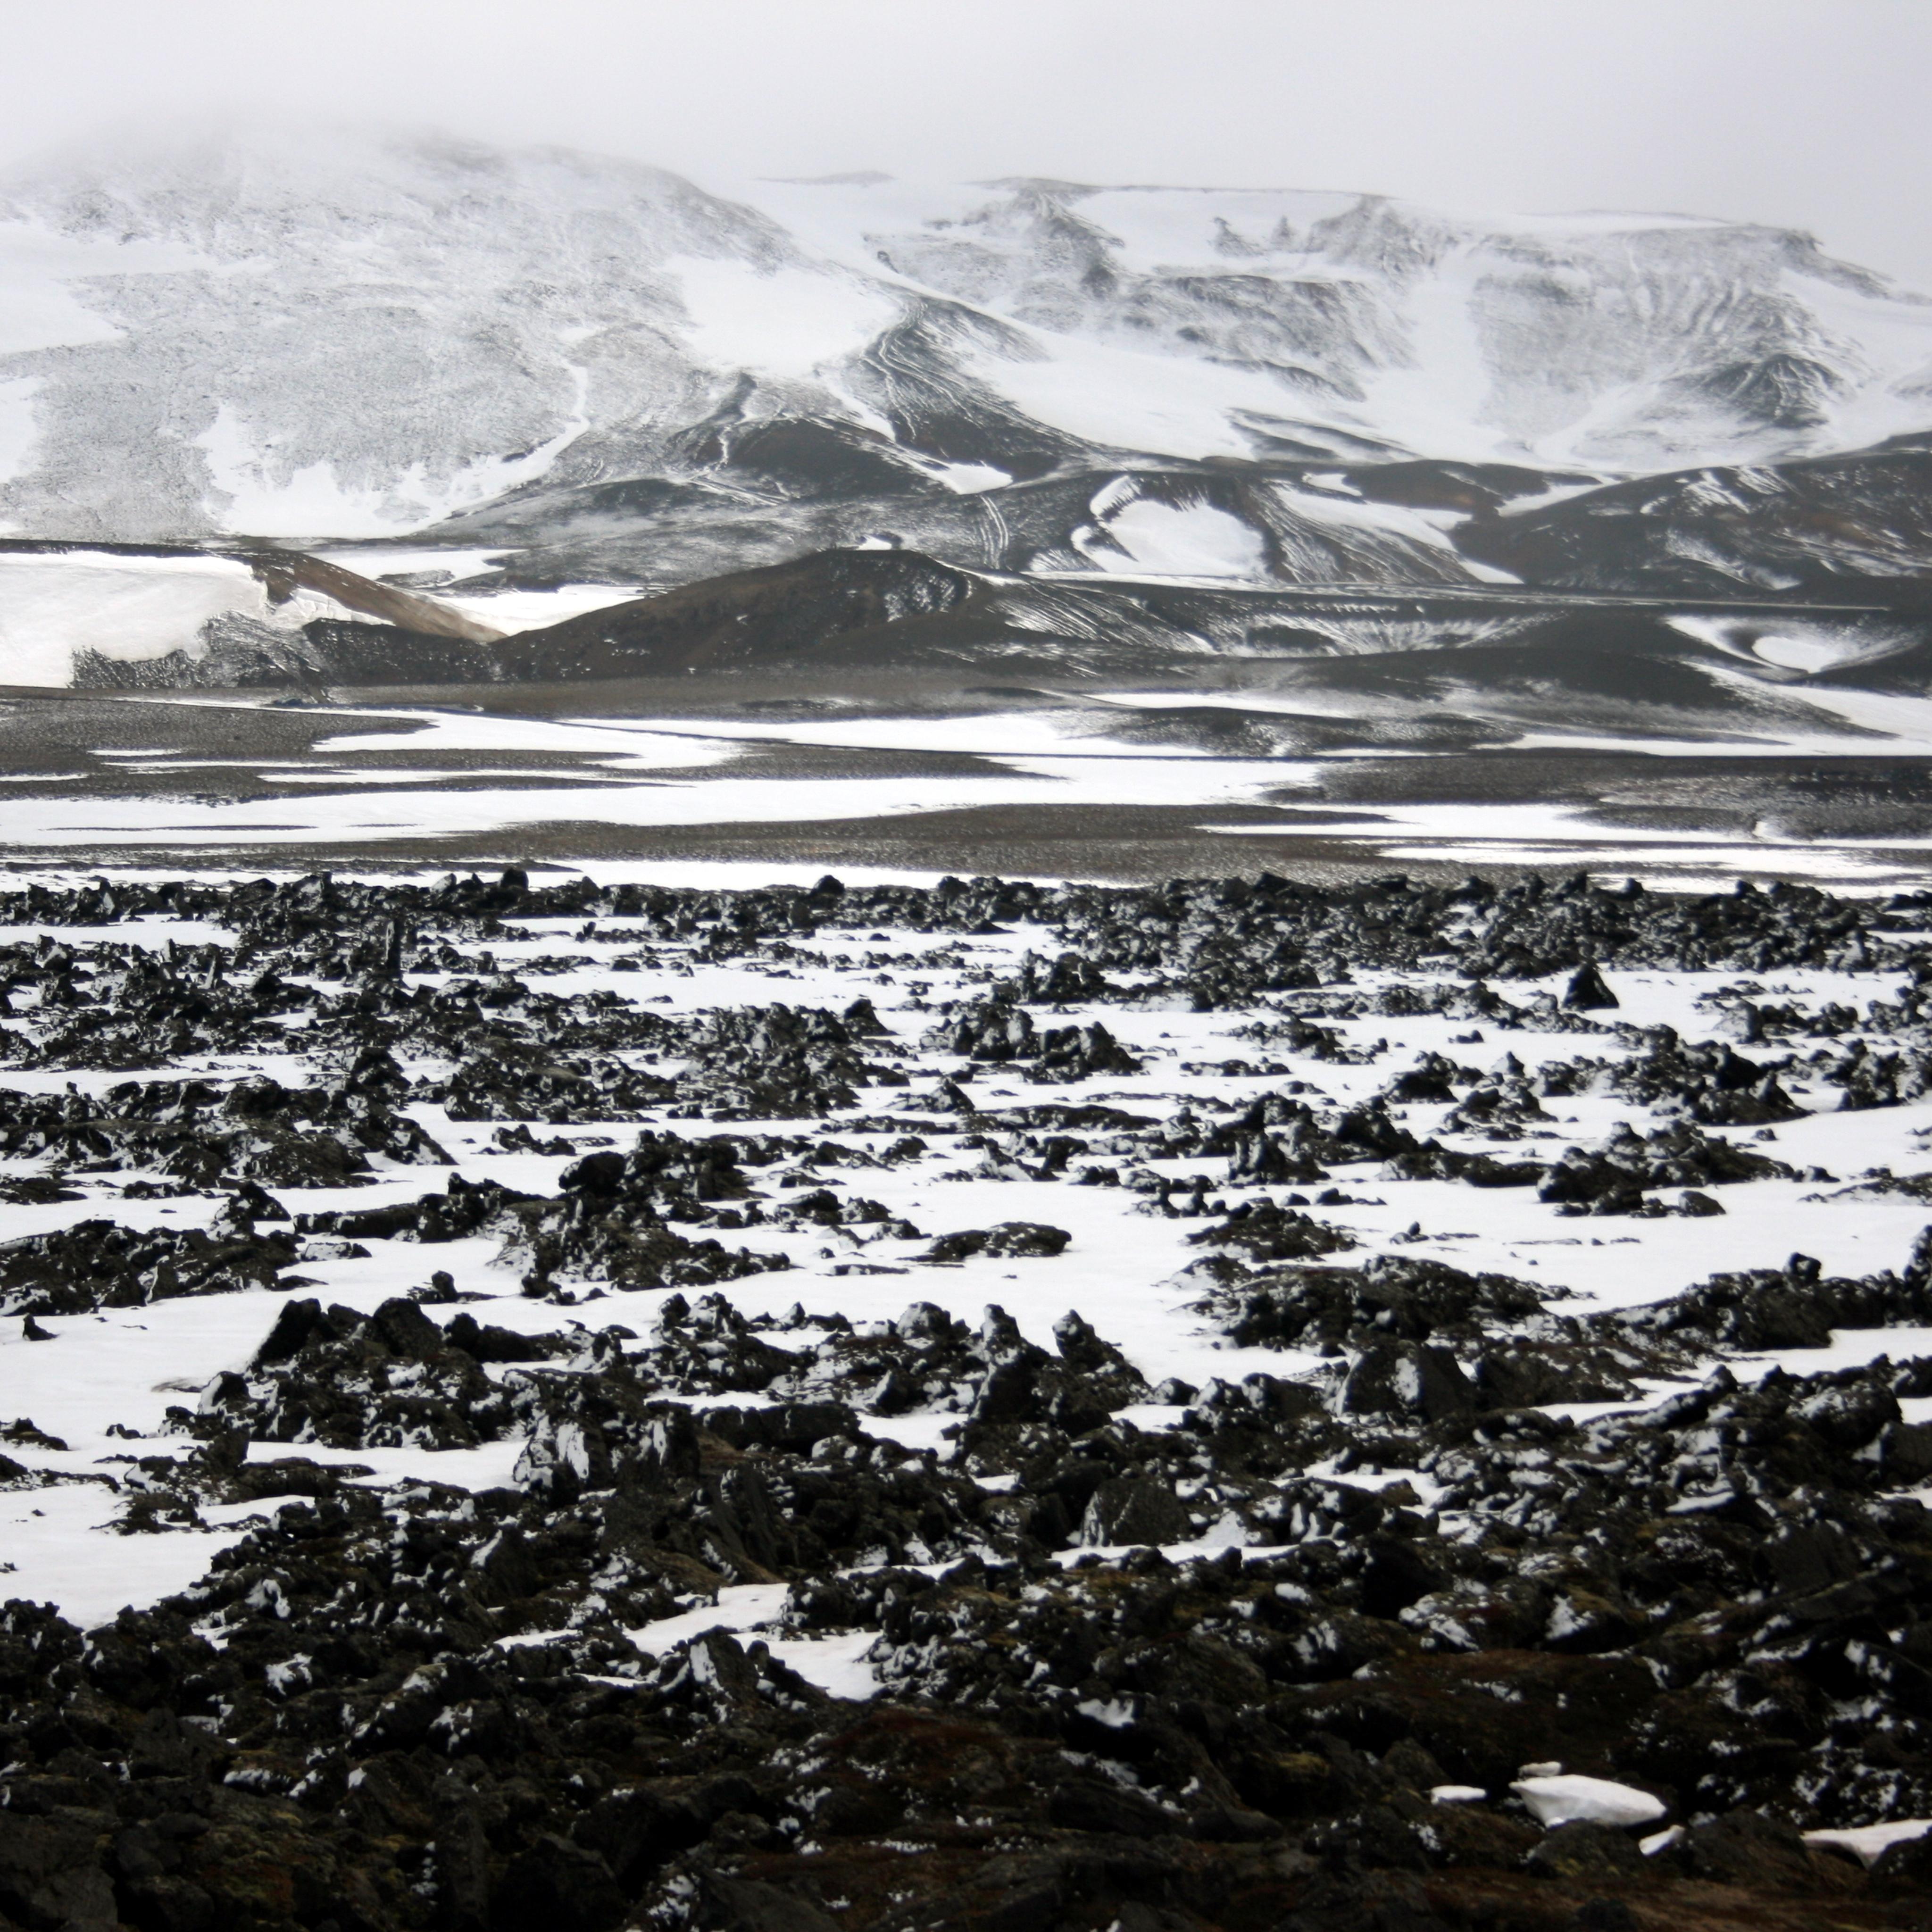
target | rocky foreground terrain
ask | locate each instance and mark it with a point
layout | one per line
(1400, 1479)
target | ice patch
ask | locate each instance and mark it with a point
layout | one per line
(59, 1550)
(1868, 1842)
(55, 605)
(1005, 735)
(740, 1607)
(1128, 400)
(1179, 540)
(261, 493)
(1384, 519)
(511, 611)
(1564, 1800)
(406, 814)
(968, 479)
(840, 1665)
(39, 309)
(479, 731)
(19, 424)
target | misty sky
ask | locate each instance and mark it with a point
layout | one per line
(1808, 113)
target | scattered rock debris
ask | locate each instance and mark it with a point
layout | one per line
(1494, 1608)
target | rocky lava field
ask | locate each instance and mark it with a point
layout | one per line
(1229, 1404)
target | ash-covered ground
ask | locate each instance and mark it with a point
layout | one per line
(1222, 1405)
(925, 773)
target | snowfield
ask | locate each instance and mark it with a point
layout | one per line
(455, 774)
(60, 606)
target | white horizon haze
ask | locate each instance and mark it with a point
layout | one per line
(1793, 113)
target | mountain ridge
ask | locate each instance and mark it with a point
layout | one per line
(514, 385)
(360, 335)
(1290, 671)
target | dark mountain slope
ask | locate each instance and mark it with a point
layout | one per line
(899, 607)
(1825, 525)
(837, 604)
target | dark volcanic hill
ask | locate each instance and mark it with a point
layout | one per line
(837, 607)
(1429, 667)
(1824, 525)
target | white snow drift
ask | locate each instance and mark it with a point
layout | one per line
(55, 605)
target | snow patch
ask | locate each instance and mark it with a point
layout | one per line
(40, 310)
(264, 494)
(1570, 1799)
(19, 424)
(1179, 540)
(54, 605)
(779, 322)
(1867, 1842)
(740, 1607)
(840, 1666)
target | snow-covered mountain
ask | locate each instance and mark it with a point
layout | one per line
(362, 335)
(491, 390)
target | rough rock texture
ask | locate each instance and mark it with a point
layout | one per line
(1083, 1646)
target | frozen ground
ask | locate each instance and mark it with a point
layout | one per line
(1411, 1266)
(926, 776)
(126, 1365)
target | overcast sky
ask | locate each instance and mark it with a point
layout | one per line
(1809, 113)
